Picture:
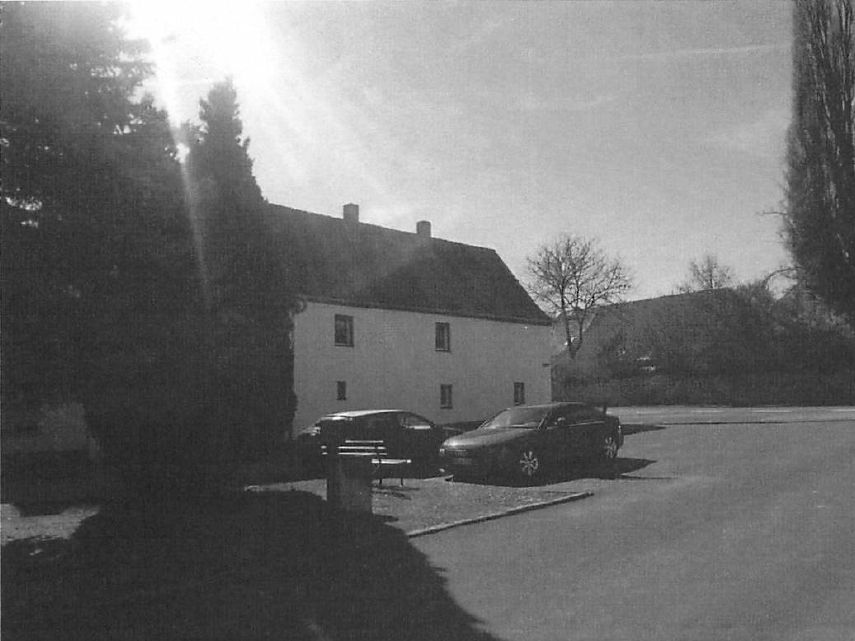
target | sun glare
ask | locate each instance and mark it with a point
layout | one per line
(196, 44)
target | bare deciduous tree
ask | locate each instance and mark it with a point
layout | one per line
(571, 277)
(707, 273)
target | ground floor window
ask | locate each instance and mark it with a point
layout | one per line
(445, 397)
(519, 393)
(341, 390)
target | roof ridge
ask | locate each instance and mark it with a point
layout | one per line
(381, 228)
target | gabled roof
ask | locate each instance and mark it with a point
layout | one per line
(674, 309)
(364, 265)
(699, 317)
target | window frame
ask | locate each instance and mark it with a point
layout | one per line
(347, 323)
(442, 336)
(519, 393)
(446, 396)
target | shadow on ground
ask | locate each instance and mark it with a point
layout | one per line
(253, 566)
(48, 482)
(637, 428)
(617, 469)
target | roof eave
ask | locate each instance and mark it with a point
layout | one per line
(543, 321)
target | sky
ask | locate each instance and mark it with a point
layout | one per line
(657, 128)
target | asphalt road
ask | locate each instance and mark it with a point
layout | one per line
(721, 530)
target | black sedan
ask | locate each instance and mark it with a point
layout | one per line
(525, 439)
(405, 434)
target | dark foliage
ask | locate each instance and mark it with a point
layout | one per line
(80, 161)
(95, 239)
(248, 289)
(820, 199)
(103, 298)
(697, 347)
(240, 262)
(726, 332)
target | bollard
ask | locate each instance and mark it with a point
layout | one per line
(349, 480)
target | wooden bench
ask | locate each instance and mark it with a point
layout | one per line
(380, 459)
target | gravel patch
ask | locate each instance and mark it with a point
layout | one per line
(433, 503)
(14, 525)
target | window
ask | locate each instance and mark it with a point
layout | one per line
(586, 415)
(344, 330)
(341, 390)
(443, 337)
(414, 422)
(445, 399)
(382, 426)
(519, 393)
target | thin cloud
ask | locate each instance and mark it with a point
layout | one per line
(705, 52)
(531, 103)
(482, 34)
(762, 137)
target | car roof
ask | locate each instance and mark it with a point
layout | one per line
(554, 405)
(358, 413)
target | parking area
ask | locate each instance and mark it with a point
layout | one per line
(423, 504)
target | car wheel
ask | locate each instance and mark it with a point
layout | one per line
(609, 448)
(529, 464)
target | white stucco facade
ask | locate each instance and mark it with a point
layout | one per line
(394, 363)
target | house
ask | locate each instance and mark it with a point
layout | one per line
(398, 319)
(678, 333)
(720, 346)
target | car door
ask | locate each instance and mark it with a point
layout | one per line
(384, 427)
(589, 426)
(557, 437)
(418, 436)
(370, 427)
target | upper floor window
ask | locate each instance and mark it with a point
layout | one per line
(443, 337)
(344, 330)
(446, 401)
(519, 393)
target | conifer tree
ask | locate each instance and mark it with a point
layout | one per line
(93, 226)
(249, 291)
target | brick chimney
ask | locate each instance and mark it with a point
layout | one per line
(423, 228)
(350, 213)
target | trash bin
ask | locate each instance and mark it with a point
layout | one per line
(349, 483)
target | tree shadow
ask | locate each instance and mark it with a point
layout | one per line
(48, 482)
(616, 469)
(249, 566)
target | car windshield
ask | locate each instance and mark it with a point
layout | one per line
(526, 417)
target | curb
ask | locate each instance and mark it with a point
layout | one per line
(496, 515)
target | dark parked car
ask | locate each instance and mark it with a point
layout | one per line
(524, 439)
(405, 434)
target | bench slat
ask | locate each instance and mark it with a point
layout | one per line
(376, 450)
